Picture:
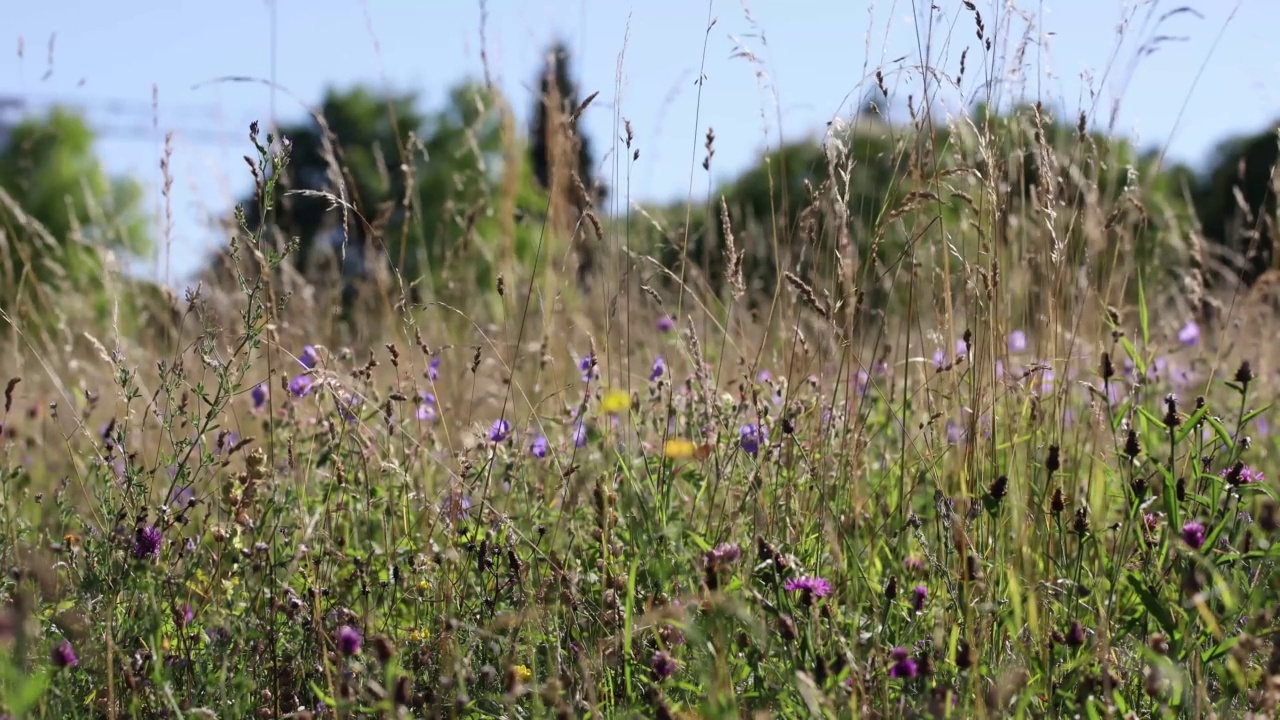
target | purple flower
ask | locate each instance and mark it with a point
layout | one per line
(227, 439)
(955, 433)
(64, 655)
(664, 666)
(259, 395)
(666, 324)
(919, 594)
(347, 406)
(1193, 535)
(913, 563)
(723, 554)
(300, 386)
(455, 506)
(146, 543)
(1189, 335)
(1017, 342)
(309, 357)
(939, 358)
(181, 497)
(808, 585)
(348, 640)
(904, 666)
(426, 406)
(861, 381)
(579, 434)
(183, 615)
(659, 367)
(499, 431)
(587, 366)
(538, 448)
(433, 369)
(1241, 474)
(749, 437)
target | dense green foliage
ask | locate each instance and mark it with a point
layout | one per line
(60, 210)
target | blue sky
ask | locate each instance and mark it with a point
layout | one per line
(643, 58)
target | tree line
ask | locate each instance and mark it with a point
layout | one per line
(377, 183)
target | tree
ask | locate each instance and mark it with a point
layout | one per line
(60, 208)
(556, 85)
(1236, 203)
(420, 185)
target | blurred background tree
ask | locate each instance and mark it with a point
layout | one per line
(58, 212)
(421, 186)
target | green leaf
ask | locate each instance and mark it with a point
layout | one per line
(1142, 313)
(1158, 609)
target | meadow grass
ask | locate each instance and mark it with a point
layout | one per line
(1024, 486)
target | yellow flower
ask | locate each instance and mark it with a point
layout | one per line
(421, 635)
(678, 449)
(615, 401)
(523, 673)
(423, 586)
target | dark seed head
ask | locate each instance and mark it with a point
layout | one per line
(1054, 460)
(1075, 635)
(1057, 503)
(1132, 447)
(1244, 374)
(999, 488)
(1081, 522)
(891, 588)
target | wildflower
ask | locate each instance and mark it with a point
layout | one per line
(348, 640)
(659, 367)
(347, 405)
(1017, 342)
(587, 366)
(522, 673)
(808, 586)
(913, 563)
(749, 437)
(308, 357)
(538, 448)
(615, 402)
(764, 376)
(579, 434)
(861, 381)
(259, 395)
(455, 506)
(666, 324)
(904, 666)
(64, 655)
(1193, 534)
(919, 594)
(664, 666)
(146, 543)
(725, 553)
(426, 406)
(1189, 335)
(678, 449)
(300, 386)
(227, 439)
(183, 615)
(1241, 474)
(955, 433)
(433, 369)
(939, 359)
(499, 431)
